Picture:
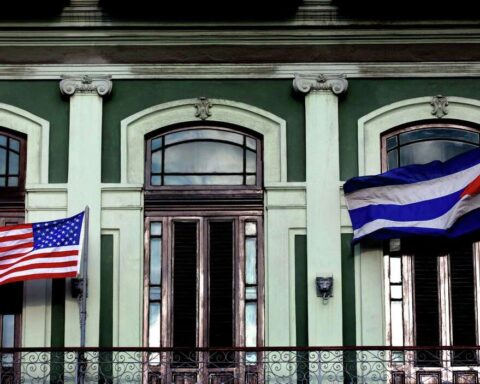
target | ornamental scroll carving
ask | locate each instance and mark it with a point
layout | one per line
(439, 105)
(202, 107)
(86, 84)
(306, 84)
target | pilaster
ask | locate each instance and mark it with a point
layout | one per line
(84, 188)
(323, 204)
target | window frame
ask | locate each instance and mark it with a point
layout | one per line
(443, 272)
(199, 192)
(17, 192)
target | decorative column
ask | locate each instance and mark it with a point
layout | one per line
(323, 205)
(84, 188)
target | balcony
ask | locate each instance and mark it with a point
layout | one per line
(241, 365)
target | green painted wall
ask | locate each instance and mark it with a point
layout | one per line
(131, 96)
(43, 98)
(348, 291)
(364, 96)
(301, 297)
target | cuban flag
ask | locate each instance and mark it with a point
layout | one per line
(45, 250)
(434, 199)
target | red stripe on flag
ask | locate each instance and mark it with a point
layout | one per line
(53, 266)
(16, 237)
(472, 189)
(14, 227)
(17, 246)
(53, 255)
(51, 275)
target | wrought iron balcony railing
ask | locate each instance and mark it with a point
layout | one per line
(277, 365)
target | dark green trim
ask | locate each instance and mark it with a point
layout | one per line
(301, 297)
(57, 337)
(106, 292)
(43, 99)
(131, 96)
(106, 309)
(348, 291)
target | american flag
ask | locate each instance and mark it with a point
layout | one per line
(47, 250)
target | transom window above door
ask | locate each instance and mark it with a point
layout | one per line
(203, 156)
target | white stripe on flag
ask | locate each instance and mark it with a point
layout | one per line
(15, 232)
(412, 193)
(15, 242)
(39, 271)
(39, 251)
(43, 260)
(445, 221)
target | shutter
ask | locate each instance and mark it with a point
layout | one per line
(185, 284)
(463, 299)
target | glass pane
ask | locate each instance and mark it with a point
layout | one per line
(392, 142)
(3, 140)
(439, 133)
(157, 162)
(209, 134)
(251, 293)
(251, 143)
(15, 145)
(251, 180)
(203, 180)
(250, 228)
(251, 260)
(8, 331)
(395, 270)
(427, 151)
(251, 324)
(205, 157)
(156, 180)
(251, 161)
(397, 323)
(156, 144)
(155, 261)
(3, 161)
(2, 181)
(396, 291)
(13, 163)
(155, 293)
(156, 229)
(154, 325)
(392, 159)
(13, 181)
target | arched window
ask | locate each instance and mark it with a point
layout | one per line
(431, 286)
(204, 262)
(12, 211)
(206, 155)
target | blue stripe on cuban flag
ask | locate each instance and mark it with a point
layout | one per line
(435, 199)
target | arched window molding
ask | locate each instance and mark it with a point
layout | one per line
(373, 125)
(369, 274)
(162, 116)
(37, 131)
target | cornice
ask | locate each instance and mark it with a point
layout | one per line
(308, 83)
(86, 84)
(240, 71)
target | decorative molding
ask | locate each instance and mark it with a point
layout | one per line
(439, 105)
(86, 84)
(161, 117)
(203, 106)
(306, 84)
(243, 71)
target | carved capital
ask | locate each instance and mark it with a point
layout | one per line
(306, 84)
(439, 105)
(86, 84)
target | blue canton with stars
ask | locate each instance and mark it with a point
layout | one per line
(58, 233)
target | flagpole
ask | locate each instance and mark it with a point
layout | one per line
(82, 301)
